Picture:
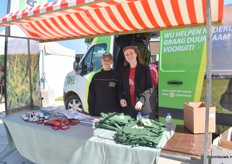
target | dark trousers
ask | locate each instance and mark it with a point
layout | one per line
(154, 105)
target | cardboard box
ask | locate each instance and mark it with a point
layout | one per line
(194, 117)
(224, 140)
(221, 151)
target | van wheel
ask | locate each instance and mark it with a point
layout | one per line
(74, 102)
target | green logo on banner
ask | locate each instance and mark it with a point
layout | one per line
(24, 4)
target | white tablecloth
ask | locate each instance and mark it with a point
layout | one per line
(78, 145)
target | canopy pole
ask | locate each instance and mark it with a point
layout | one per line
(208, 77)
(7, 33)
(29, 69)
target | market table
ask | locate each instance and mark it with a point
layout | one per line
(79, 144)
(186, 144)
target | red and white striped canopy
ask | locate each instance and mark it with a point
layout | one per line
(69, 19)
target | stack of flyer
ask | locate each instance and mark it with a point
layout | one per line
(51, 110)
(84, 119)
(90, 121)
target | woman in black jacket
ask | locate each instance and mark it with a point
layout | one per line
(135, 85)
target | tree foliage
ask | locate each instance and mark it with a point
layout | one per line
(88, 41)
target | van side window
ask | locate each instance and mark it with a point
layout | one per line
(92, 60)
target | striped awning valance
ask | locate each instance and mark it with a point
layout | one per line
(69, 19)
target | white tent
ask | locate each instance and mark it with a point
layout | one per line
(55, 62)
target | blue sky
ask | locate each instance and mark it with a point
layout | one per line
(71, 43)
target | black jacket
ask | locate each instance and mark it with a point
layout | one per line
(143, 89)
(103, 93)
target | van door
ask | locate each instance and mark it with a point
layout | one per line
(181, 69)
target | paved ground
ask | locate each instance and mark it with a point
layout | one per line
(12, 156)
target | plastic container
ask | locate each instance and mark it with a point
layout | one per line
(139, 116)
(169, 119)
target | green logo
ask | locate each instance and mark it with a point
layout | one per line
(71, 80)
(112, 84)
